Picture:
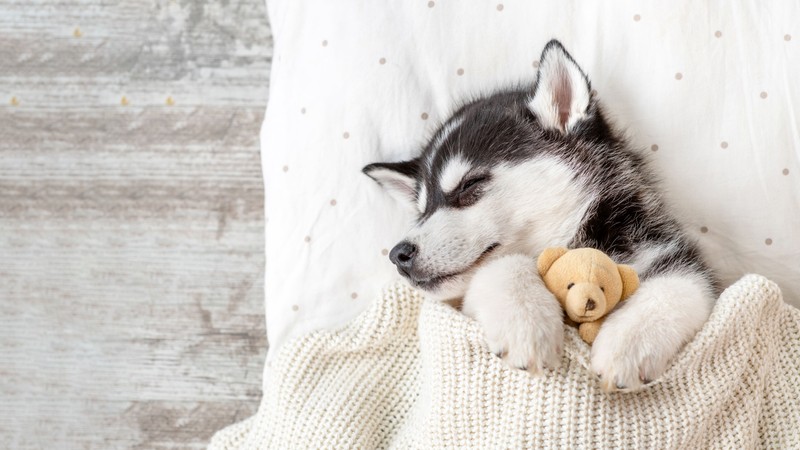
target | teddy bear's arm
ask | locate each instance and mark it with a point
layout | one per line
(588, 330)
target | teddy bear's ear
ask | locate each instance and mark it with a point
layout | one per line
(548, 257)
(630, 281)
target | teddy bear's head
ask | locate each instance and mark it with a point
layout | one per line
(586, 281)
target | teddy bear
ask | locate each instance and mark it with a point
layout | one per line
(587, 283)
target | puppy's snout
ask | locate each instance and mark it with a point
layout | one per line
(402, 256)
(590, 305)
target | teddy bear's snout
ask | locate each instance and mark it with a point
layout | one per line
(585, 302)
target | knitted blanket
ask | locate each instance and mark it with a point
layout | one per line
(411, 373)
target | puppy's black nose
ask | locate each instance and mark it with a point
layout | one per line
(590, 305)
(402, 256)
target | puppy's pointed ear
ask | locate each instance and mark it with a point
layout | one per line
(398, 178)
(630, 280)
(562, 92)
(548, 257)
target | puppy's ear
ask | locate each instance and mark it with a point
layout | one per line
(398, 178)
(562, 92)
(548, 257)
(630, 281)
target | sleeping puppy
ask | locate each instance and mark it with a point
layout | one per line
(521, 170)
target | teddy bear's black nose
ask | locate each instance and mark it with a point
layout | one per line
(590, 305)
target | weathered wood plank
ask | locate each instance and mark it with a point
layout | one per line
(131, 232)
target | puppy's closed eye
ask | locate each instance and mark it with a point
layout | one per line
(473, 182)
(470, 190)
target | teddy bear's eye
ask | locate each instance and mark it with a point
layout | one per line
(569, 286)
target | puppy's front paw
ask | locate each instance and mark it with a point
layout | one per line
(521, 319)
(628, 357)
(524, 342)
(637, 341)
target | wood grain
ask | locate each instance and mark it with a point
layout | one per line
(131, 220)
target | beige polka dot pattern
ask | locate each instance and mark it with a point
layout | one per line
(355, 65)
(295, 308)
(768, 241)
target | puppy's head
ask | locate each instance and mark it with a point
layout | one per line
(477, 187)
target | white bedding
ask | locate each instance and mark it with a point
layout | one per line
(711, 93)
(414, 374)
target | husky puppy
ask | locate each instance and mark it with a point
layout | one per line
(524, 169)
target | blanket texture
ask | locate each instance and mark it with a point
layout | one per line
(412, 373)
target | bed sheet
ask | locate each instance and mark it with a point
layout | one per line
(708, 90)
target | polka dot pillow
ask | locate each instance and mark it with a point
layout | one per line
(710, 93)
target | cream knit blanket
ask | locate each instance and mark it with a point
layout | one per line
(410, 373)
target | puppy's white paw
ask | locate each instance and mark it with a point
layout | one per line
(521, 319)
(630, 356)
(637, 342)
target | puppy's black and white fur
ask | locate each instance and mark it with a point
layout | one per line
(513, 173)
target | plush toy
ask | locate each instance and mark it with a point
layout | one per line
(587, 283)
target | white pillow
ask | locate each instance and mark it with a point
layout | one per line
(712, 94)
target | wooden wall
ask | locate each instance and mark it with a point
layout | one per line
(131, 220)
